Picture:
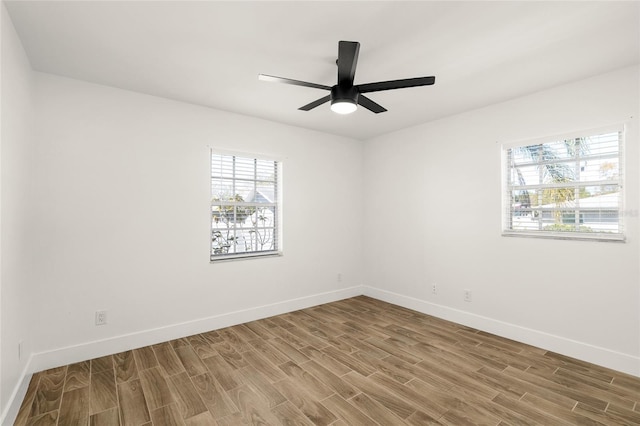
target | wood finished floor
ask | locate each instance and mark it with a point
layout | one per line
(354, 362)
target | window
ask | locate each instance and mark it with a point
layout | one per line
(244, 207)
(565, 187)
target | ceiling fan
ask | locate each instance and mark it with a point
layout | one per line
(345, 96)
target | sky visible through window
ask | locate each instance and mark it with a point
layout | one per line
(244, 208)
(568, 185)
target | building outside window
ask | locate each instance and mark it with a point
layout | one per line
(244, 207)
(569, 186)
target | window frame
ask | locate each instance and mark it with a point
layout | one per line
(276, 204)
(507, 211)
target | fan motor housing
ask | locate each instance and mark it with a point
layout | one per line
(344, 94)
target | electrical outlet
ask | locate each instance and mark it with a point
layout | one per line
(339, 277)
(467, 295)
(434, 288)
(101, 317)
(20, 349)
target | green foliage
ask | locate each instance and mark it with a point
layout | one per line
(220, 244)
(562, 227)
(555, 173)
(225, 213)
(230, 233)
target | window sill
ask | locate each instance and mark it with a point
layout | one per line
(617, 238)
(234, 257)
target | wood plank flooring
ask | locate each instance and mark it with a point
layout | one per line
(354, 362)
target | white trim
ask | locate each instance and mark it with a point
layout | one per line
(244, 256)
(594, 354)
(276, 204)
(279, 201)
(507, 213)
(8, 416)
(247, 154)
(62, 356)
(569, 236)
(615, 127)
(89, 350)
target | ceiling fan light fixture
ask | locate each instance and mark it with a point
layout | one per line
(343, 106)
(344, 99)
(346, 96)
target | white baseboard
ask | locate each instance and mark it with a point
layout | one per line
(597, 355)
(8, 416)
(93, 349)
(88, 350)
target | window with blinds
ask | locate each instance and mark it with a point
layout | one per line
(565, 187)
(244, 207)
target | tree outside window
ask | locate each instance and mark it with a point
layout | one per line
(244, 208)
(565, 187)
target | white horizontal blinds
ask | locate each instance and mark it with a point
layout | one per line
(570, 186)
(244, 207)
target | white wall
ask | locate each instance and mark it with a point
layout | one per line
(123, 190)
(433, 206)
(16, 152)
(105, 205)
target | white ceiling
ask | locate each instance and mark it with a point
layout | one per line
(210, 53)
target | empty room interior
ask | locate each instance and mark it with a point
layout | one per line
(333, 213)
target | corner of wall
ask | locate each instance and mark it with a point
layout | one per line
(16, 115)
(10, 412)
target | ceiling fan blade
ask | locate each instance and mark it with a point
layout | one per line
(314, 104)
(396, 84)
(347, 61)
(273, 79)
(370, 105)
